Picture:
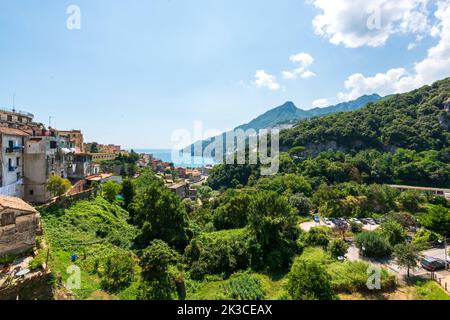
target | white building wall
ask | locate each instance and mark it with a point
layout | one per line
(11, 178)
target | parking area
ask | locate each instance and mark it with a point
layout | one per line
(366, 224)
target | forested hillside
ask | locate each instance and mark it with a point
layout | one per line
(403, 139)
(418, 120)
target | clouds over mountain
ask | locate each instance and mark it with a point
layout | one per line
(371, 23)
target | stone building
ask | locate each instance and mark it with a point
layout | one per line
(19, 223)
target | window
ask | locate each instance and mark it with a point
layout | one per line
(18, 161)
(31, 192)
(8, 218)
(10, 144)
(52, 144)
(18, 176)
(9, 118)
(9, 163)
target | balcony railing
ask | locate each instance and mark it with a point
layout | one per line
(13, 149)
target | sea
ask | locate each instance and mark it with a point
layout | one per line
(187, 160)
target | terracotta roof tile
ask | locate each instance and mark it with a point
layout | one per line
(13, 132)
(15, 203)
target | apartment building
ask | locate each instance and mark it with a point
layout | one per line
(44, 156)
(75, 137)
(98, 157)
(11, 159)
(80, 167)
(14, 116)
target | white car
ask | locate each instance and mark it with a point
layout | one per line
(327, 221)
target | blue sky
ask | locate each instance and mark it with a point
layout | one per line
(138, 70)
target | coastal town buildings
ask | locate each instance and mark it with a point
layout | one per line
(98, 157)
(81, 167)
(44, 155)
(75, 137)
(14, 116)
(11, 159)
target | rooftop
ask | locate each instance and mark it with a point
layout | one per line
(19, 112)
(15, 204)
(13, 132)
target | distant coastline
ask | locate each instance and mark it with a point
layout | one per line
(166, 156)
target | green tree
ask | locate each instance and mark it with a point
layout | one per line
(318, 236)
(407, 255)
(233, 212)
(274, 224)
(94, 147)
(160, 215)
(437, 219)
(159, 283)
(302, 203)
(308, 280)
(410, 200)
(58, 186)
(338, 248)
(393, 232)
(128, 192)
(373, 244)
(118, 271)
(110, 191)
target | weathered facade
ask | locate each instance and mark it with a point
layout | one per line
(81, 167)
(19, 223)
(11, 159)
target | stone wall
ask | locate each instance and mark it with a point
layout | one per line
(18, 237)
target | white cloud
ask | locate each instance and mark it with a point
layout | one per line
(320, 103)
(263, 79)
(305, 60)
(435, 66)
(382, 83)
(307, 74)
(360, 23)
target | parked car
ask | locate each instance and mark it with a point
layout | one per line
(316, 218)
(326, 221)
(432, 264)
(371, 221)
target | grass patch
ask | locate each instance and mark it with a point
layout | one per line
(93, 230)
(430, 290)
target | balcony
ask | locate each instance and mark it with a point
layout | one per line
(13, 149)
(12, 168)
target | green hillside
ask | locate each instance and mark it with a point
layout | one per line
(418, 120)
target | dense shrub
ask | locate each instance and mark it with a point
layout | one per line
(373, 244)
(118, 271)
(222, 253)
(302, 203)
(317, 236)
(338, 248)
(393, 232)
(273, 223)
(309, 280)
